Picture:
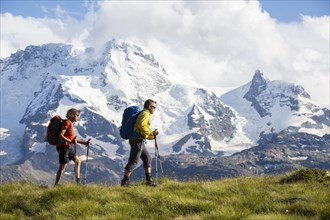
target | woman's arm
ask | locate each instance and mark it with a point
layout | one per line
(62, 137)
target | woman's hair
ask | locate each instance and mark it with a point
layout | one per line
(148, 103)
(72, 111)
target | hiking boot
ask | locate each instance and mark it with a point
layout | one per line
(124, 182)
(78, 181)
(151, 183)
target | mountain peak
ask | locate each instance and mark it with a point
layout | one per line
(258, 84)
(258, 80)
(125, 46)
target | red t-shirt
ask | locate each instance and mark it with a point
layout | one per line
(69, 134)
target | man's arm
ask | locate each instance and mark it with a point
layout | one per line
(144, 128)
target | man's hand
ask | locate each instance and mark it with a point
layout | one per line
(155, 132)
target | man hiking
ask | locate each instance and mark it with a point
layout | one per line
(137, 143)
(64, 149)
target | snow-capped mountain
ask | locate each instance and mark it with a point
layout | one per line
(272, 106)
(42, 81)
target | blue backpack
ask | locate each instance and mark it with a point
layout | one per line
(127, 124)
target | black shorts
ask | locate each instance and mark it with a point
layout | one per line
(65, 155)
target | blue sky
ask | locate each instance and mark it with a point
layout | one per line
(286, 10)
(217, 43)
(43, 8)
(282, 10)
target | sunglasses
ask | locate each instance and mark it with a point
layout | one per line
(152, 106)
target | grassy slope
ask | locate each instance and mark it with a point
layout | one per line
(237, 198)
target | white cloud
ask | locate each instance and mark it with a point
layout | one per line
(18, 32)
(218, 43)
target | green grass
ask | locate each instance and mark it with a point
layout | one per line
(267, 197)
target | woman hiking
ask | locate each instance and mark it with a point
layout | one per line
(64, 149)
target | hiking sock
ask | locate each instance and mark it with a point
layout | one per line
(148, 177)
(124, 181)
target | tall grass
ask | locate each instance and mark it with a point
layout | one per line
(264, 197)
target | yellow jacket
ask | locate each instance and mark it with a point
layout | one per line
(142, 125)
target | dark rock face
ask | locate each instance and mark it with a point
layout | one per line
(211, 119)
(323, 118)
(275, 154)
(258, 85)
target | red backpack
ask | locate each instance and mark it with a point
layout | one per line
(53, 130)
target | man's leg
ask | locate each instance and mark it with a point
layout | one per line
(135, 153)
(148, 173)
(124, 181)
(145, 156)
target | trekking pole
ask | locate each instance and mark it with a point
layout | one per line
(160, 163)
(75, 153)
(87, 145)
(158, 159)
(75, 145)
